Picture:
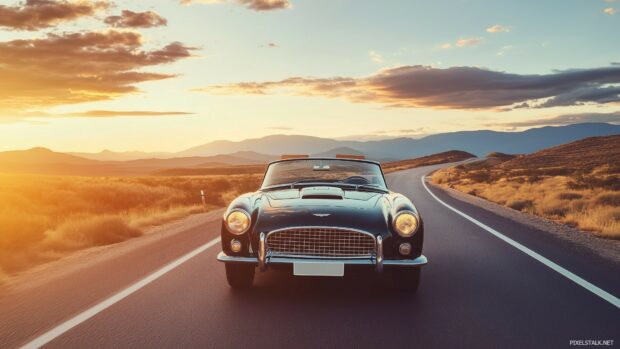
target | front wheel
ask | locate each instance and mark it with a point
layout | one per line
(240, 275)
(407, 279)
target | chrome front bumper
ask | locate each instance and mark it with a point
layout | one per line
(378, 261)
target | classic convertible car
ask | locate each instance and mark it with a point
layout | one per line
(320, 217)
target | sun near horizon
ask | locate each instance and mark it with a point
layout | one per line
(163, 76)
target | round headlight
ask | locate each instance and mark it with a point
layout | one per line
(405, 224)
(238, 222)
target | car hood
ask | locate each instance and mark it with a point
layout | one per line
(322, 206)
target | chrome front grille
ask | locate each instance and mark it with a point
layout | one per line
(320, 242)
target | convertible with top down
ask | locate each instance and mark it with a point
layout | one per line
(320, 217)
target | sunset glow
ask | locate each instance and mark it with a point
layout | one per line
(167, 75)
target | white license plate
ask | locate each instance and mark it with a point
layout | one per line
(318, 269)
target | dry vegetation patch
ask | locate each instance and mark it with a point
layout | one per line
(44, 217)
(576, 184)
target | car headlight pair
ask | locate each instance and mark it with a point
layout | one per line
(406, 224)
(238, 222)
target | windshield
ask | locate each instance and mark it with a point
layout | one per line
(324, 170)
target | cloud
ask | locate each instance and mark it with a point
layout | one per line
(568, 119)
(404, 131)
(450, 88)
(280, 128)
(38, 14)
(375, 57)
(498, 29)
(256, 5)
(387, 134)
(117, 113)
(265, 5)
(610, 11)
(468, 42)
(95, 114)
(130, 19)
(78, 67)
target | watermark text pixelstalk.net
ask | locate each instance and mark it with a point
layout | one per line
(591, 342)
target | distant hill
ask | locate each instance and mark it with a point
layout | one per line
(434, 159)
(475, 142)
(41, 156)
(262, 150)
(577, 183)
(108, 155)
(338, 151)
(275, 145)
(575, 158)
(45, 161)
(585, 155)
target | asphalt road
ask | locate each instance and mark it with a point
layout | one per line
(477, 291)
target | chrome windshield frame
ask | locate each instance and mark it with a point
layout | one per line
(378, 164)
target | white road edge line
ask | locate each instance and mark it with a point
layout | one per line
(561, 270)
(103, 305)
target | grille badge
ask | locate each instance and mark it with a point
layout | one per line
(322, 214)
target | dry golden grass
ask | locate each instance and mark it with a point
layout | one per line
(589, 201)
(576, 183)
(45, 217)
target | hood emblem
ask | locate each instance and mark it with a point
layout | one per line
(321, 214)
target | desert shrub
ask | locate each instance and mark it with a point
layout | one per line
(480, 176)
(587, 198)
(559, 211)
(576, 185)
(569, 196)
(609, 200)
(610, 169)
(534, 179)
(556, 171)
(609, 182)
(520, 205)
(90, 231)
(42, 217)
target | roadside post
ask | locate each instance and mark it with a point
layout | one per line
(204, 203)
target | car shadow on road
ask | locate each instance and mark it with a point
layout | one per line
(281, 286)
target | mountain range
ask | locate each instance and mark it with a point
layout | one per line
(265, 149)
(477, 142)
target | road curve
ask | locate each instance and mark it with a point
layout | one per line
(477, 291)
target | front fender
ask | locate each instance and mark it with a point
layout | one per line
(401, 203)
(246, 202)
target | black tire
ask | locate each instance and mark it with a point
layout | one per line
(240, 275)
(407, 279)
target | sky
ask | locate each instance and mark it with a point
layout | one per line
(166, 75)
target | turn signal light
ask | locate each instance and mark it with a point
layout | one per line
(235, 245)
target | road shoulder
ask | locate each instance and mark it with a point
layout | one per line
(605, 248)
(91, 257)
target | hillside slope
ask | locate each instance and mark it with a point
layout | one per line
(576, 183)
(584, 155)
(434, 159)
